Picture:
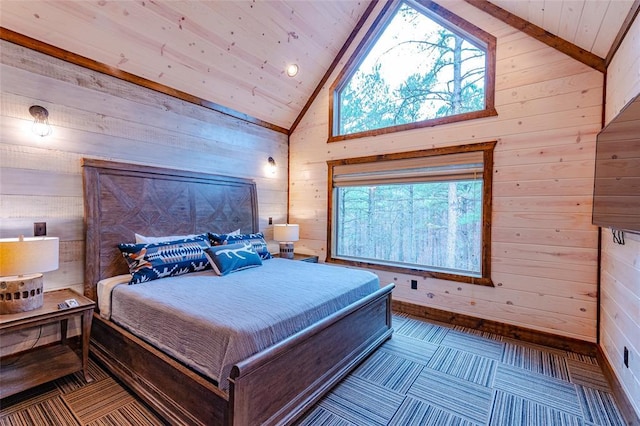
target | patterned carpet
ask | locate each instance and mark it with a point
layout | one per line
(71, 401)
(427, 374)
(433, 374)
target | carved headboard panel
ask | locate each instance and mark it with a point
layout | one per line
(121, 199)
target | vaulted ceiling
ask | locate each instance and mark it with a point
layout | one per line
(232, 55)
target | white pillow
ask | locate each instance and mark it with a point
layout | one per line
(104, 289)
(141, 239)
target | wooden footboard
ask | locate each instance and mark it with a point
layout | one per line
(173, 391)
(275, 386)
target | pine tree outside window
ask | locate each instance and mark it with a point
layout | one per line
(423, 66)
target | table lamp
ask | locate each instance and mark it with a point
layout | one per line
(286, 234)
(22, 261)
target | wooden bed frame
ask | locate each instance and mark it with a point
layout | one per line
(275, 386)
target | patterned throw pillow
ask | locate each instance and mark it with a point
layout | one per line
(149, 262)
(256, 240)
(229, 258)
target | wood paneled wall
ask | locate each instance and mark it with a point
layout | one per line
(620, 266)
(544, 247)
(94, 115)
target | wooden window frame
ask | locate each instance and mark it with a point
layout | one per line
(487, 148)
(445, 18)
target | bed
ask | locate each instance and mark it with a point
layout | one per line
(277, 384)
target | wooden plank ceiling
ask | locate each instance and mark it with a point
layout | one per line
(234, 53)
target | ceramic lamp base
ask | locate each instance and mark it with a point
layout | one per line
(21, 293)
(286, 250)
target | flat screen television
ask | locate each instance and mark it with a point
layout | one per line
(616, 191)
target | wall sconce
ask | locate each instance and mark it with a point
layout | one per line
(272, 165)
(41, 125)
(292, 70)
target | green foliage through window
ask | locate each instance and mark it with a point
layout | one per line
(418, 68)
(437, 225)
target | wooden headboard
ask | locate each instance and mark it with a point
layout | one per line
(121, 199)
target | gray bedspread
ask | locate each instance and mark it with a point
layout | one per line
(210, 322)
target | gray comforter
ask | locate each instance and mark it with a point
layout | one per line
(210, 322)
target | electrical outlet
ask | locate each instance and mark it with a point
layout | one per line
(414, 284)
(39, 229)
(626, 357)
(270, 221)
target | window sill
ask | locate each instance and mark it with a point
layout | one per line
(485, 281)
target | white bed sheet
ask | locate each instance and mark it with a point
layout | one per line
(104, 289)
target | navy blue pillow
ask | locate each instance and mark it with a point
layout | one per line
(229, 258)
(256, 240)
(148, 262)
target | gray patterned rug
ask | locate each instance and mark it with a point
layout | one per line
(427, 374)
(433, 374)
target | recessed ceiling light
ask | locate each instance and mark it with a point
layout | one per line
(292, 70)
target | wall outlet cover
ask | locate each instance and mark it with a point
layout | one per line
(39, 229)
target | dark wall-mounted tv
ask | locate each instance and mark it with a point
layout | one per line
(616, 191)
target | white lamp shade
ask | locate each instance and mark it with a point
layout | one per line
(286, 232)
(30, 255)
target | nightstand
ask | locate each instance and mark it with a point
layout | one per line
(302, 257)
(42, 364)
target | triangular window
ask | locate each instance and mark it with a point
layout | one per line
(421, 66)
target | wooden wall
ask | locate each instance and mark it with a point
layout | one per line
(94, 115)
(620, 268)
(544, 248)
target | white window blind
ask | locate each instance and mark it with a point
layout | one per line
(446, 167)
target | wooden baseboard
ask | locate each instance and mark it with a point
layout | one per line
(512, 331)
(626, 408)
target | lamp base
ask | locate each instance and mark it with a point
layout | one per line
(286, 250)
(21, 293)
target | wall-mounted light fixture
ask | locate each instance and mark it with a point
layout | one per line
(41, 125)
(272, 165)
(292, 70)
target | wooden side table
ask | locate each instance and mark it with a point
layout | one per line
(311, 258)
(42, 364)
(305, 257)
